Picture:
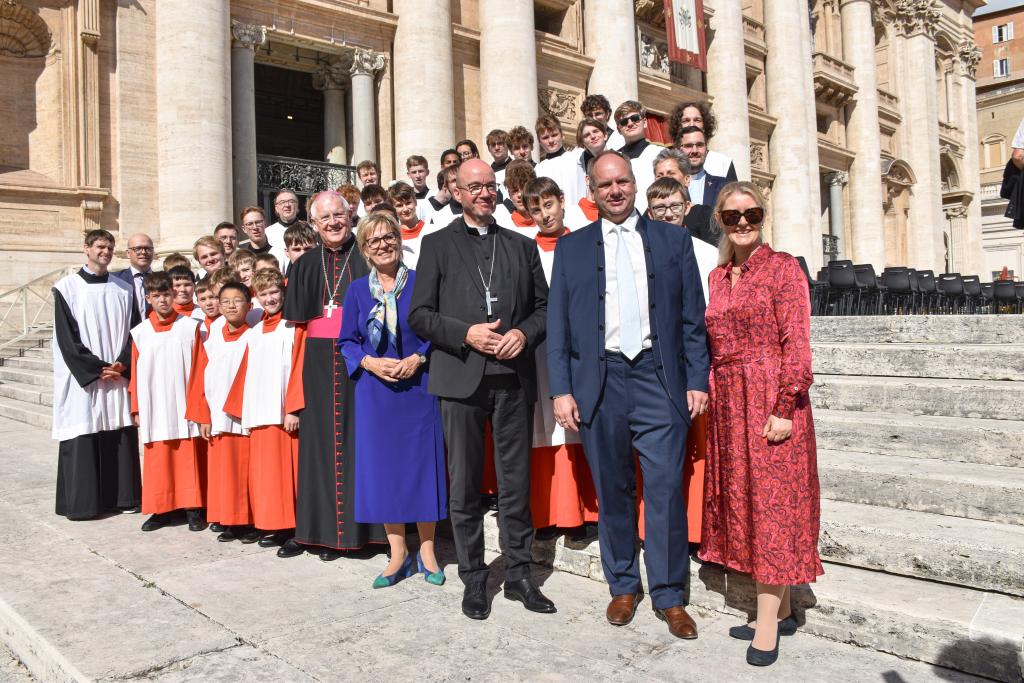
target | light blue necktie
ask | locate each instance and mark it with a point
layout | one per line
(630, 333)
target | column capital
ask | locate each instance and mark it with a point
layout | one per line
(967, 57)
(248, 36)
(838, 178)
(331, 76)
(956, 211)
(367, 62)
(914, 17)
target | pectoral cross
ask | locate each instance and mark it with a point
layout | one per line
(329, 309)
(489, 299)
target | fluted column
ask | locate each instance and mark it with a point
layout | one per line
(967, 57)
(424, 110)
(330, 79)
(915, 24)
(792, 151)
(836, 221)
(610, 38)
(727, 83)
(365, 65)
(193, 119)
(245, 39)
(863, 137)
(508, 64)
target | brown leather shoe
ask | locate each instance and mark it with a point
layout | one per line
(622, 608)
(680, 624)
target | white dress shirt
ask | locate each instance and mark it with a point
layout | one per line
(635, 245)
(696, 186)
(140, 291)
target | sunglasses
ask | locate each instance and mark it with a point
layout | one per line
(632, 118)
(731, 217)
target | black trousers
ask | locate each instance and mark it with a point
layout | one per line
(98, 473)
(501, 399)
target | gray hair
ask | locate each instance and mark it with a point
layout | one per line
(326, 193)
(672, 154)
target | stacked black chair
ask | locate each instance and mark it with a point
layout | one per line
(972, 293)
(900, 297)
(817, 289)
(843, 291)
(927, 291)
(872, 291)
(988, 296)
(951, 288)
(1004, 296)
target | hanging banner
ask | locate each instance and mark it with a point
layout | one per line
(684, 28)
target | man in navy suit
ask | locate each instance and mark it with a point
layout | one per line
(703, 186)
(628, 361)
(140, 254)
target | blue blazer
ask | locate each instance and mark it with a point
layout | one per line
(712, 185)
(576, 353)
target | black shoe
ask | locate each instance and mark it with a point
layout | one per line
(787, 627)
(585, 533)
(547, 533)
(757, 657)
(525, 592)
(216, 527)
(290, 548)
(474, 601)
(273, 540)
(195, 520)
(249, 535)
(227, 535)
(132, 510)
(153, 523)
(329, 555)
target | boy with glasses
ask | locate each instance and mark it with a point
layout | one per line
(254, 224)
(227, 233)
(668, 201)
(631, 120)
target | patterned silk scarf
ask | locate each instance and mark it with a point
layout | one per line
(385, 313)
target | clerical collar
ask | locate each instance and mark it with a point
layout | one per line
(554, 155)
(91, 277)
(474, 230)
(500, 165)
(635, 149)
(422, 194)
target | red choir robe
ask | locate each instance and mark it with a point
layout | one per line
(260, 397)
(214, 365)
(173, 453)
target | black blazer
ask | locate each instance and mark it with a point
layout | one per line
(448, 298)
(712, 185)
(702, 225)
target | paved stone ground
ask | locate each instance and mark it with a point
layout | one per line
(11, 668)
(101, 600)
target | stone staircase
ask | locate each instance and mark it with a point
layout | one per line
(26, 380)
(920, 427)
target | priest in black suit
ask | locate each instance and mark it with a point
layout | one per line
(481, 299)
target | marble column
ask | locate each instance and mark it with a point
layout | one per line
(836, 221)
(915, 25)
(193, 118)
(727, 84)
(793, 150)
(424, 84)
(508, 65)
(959, 239)
(365, 65)
(610, 39)
(862, 135)
(246, 38)
(967, 58)
(330, 79)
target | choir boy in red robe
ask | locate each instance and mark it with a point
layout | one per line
(214, 367)
(266, 396)
(183, 282)
(162, 351)
(206, 297)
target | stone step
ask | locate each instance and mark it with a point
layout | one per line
(957, 361)
(964, 552)
(34, 362)
(42, 378)
(35, 415)
(954, 439)
(958, 627)
(920, 396)
(919, 329)
(984, 492)
(27, 393)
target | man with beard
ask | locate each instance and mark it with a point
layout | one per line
(703, 186)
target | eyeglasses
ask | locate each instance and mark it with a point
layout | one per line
(286, 202)
(141, 250)
(632, 118)
(674, 209)
(375, 242)
(731, 217)
(340, 217)
(476, 188)
(232, 303)
(253, 224)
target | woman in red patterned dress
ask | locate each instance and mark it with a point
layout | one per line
(761, 504)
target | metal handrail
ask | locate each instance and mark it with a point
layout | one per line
(38, 291)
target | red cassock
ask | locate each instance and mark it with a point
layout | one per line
(260, 397)
(761, 499)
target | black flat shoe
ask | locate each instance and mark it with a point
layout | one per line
(153, 523)
(195, 520)
(527, 593)
(227, 535)
(249, 535)
(273, 540)
(329, 555)
(474, 601)
(787, 627)
(217, 527)
(757, 657)
(290, 548)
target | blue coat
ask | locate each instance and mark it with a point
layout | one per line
(576, 354)
(713, 184)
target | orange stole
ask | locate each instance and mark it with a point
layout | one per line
(171, 478)
(227, 500)
(561, 489)
(273, 477)
(693, 479)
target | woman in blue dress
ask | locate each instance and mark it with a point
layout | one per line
(400, 465)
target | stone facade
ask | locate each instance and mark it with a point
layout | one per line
(147, 115)
(1000, 111)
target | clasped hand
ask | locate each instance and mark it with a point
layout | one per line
(112, 372)
(391, 369)
(484, 339)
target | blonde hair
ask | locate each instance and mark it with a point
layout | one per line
(726, 250)
(374, 220)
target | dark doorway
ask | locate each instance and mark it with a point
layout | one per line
(289, 114)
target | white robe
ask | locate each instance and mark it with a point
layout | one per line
(223, 359)
(266, 378)
(161, 379)
(564, 170)
(717, 163)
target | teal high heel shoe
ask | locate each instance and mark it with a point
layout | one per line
(404, 572)
(435, 578)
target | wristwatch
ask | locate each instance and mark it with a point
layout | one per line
(423, 359)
